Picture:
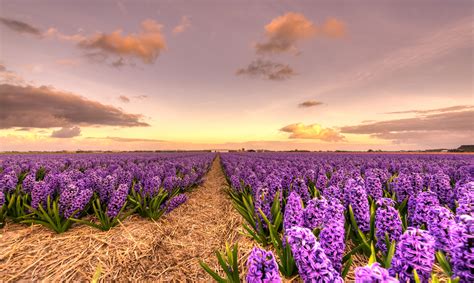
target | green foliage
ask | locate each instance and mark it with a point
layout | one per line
(444, 263)
(148, 206)
(3, 215)
(228, 261)
(48, 216)
(100, 212)
(16, 204)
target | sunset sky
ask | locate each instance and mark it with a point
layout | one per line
(318, 75)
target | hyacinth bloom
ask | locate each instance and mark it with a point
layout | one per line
(440, 184)
(423, 203)
(403, 187)
(332, 192)
(313, 264)
(334, 210)
(40, 193)
(73, 199)
(293, 215)
(28, 183)
(176, 201)
(117, 201)
(357, 198)
(465, 198)
(415, 250)
(235, 182)
(299, 186)
(332, 241)
(8, 181)
(262, 267)
(373, 273)
(462, 253)
(314, 213)
(373, 187)
(441, 224)
(387, 222)
(322, 182)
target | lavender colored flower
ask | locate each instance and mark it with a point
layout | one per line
(73, 200)
(415, 250)
(332, 192)
(152, 186)
(462, 253)
(357, 198)
(373, 186)
(262, 267)
(235, 182)
(387, 222)
(117, 201)
(465, 198)
(8, 181)
(403, 187)
(314, 213)
(334, 210)
(175, 201)
(299, 186)
(28, 183)
(313, 264)
(263, 202)
(322, 182)
(332, 241)
(107, 188)
(373, 273)
(170, 182)
(440, 224)
(293, 215)
(40, 193)
(423, 203)
(440, 184)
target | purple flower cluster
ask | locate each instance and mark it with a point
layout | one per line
(117, 201)
(332, 241)
(73, 200)
(465, 199)
(422, 205)
(373, 186)
(357, 198)
(2, 198)
(40, 193)
(293, 215)
(440, 224)
(462, 253)
(373, 273)
(176, 201)
(315, 212)
(8, 181)
(415, 250)
(387, 222)
(403, 187)
(313, 264)
(440, 184)
(262, 267)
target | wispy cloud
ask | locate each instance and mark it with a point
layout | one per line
(313, 131)
(434, 45)
(182, 26)
(20, 27)
(438, 110)
(66, 132)
(267, 70)
(434, 126)
(45, 107)
(309, 103)
(124, 99)
(128, 140)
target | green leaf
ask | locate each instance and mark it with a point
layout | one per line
(390, 253)
(212, 273)
(346, 268)
(372, 258)
(416, 277)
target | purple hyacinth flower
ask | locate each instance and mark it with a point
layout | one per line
(403, 187)
(440, 224)
(465, 199)
(40, 193)
(332, 240)
(415, 250)
(28, 183)
(293, 215)
(176, 201)
(462, 253)
(440, 184)
(2, 198)
(117, 201)
(8, 181)
(262, 267)
(423, 203)
(373, 273)
(314, 213)
(387, 222)
(299, 186)
(313, 264)
(357, 198)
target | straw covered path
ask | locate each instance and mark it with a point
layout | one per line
(139, 249)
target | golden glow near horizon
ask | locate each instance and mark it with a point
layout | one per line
(99, 76)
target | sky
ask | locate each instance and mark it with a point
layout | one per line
(280, 75)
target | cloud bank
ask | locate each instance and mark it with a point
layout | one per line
(66, 132)
(309, 103)
(20, 27)
(45, 107)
